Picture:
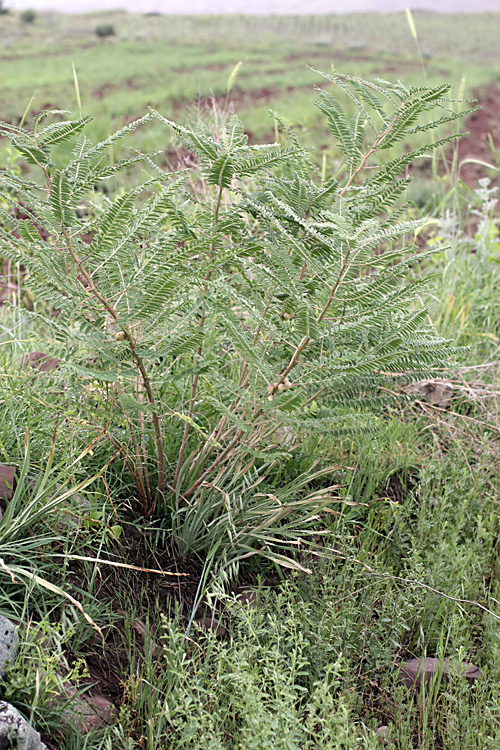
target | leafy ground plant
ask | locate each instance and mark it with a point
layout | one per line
(35, 500)
(203, 323)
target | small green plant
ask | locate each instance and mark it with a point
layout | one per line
(258, 690)
(104, 30)
(468, 308)
(40, 679)
(27, 16)
(208, 320)
(38, 498)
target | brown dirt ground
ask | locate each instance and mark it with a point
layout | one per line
(481, 126)
(122, 590)
(239, 97)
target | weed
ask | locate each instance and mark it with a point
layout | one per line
(270, 296)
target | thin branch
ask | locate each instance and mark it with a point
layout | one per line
(215, 464)
(140, 365)
(133, 471)
(411, 582)
(194, 384)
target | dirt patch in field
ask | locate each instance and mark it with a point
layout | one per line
(483, 129)
(135, 84)
(220, 107)
(240, 98)
(331, 54)
(132, 84)
(46, 53)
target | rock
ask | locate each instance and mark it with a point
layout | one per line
(246, 597)
(15, 731)
(148, 644)
(437, 392)
(82, 711)
(207, 622)
(86, 713)
(8, 642)
(8, 482)
(39, 361)
(412, 671)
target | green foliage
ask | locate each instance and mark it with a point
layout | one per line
(104, 30)
(208, 319)
(260, 691)
(37, 499)
(239, 521)
(469, 307)
(312, 665)
(42, 652)
(27, 16)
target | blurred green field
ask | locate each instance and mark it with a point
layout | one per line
(170, 62)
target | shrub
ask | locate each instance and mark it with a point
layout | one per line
(3, 9)
(28, 16)
(105, 29)
(207, 320)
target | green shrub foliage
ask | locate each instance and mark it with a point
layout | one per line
(28, 16)
(208, 313)
(105, 29)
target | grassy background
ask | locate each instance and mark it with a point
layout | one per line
(169, 62)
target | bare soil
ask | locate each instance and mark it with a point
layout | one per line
(483, 129)
(128, 595)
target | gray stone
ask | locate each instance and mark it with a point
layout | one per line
(16, 732)
(429, 668)
(437, 392)
(8, 482)
(8, 643)
(84, 712)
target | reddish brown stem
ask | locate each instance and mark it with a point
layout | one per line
(220, 458)
(140, 365)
